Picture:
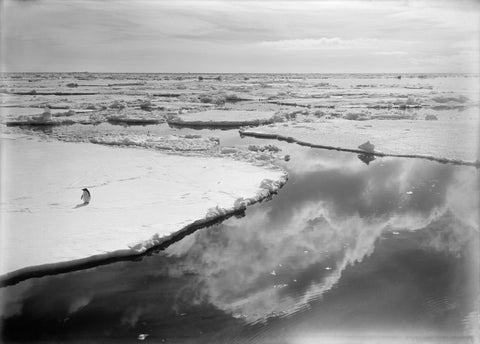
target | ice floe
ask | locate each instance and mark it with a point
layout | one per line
(136, 117)
(140, 198)
(223, 118)
(165, 142)
(445, 141)
(55, 118)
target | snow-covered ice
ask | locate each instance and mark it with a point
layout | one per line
(224, 118)
(53, 118)
(454, 141)
(139, 199)
(136, 117)
(165, 142)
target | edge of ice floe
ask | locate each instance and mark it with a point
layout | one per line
(290, 139)
(213, 216)
(114, 119)
(221, 124)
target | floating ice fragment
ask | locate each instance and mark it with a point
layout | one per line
(257, 148)
(273, 273)
(395, 233)
(367, 147)
(142, 336)
(328, 268)
(409, 192)
(446, 99)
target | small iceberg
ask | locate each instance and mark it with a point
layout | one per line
(367, 147)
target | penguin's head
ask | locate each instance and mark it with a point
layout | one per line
(85, 189)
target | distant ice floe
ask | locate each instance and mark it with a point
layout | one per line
(180, 105)
(223, 118)
(454, 141)
(50, 118)
(166, 142)
(357, 101)
(373, 99)
(453, 99)
(136, 117)
(225, 97)
(450, 101)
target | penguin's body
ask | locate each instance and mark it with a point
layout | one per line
(86, 196)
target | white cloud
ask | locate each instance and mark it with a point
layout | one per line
(390, 53)
(321, 43)
(236, 36)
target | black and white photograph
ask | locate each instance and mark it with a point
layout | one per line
(239, 171)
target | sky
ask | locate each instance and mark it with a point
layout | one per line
(240, 36)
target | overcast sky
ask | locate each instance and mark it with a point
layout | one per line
(240, 36)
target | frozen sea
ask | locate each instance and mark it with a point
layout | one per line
(354, 248)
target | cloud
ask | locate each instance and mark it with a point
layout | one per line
(333, 43)
(225, 36)
(78, 304)
(390, 53)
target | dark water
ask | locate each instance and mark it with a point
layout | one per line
(346, 252)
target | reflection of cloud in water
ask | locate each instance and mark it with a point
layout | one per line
(78, 304)
(458, 224)
(463, 196)
(323, 222)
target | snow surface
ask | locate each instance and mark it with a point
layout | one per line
(455, 141)
(164, 142)
(54, 118)
(139, 199)
(224, 118)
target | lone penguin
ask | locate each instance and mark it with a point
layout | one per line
(85, 196)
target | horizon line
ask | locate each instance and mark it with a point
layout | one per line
(106, 72)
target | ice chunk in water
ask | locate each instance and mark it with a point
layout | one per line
(367, 147)
(142, 336)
